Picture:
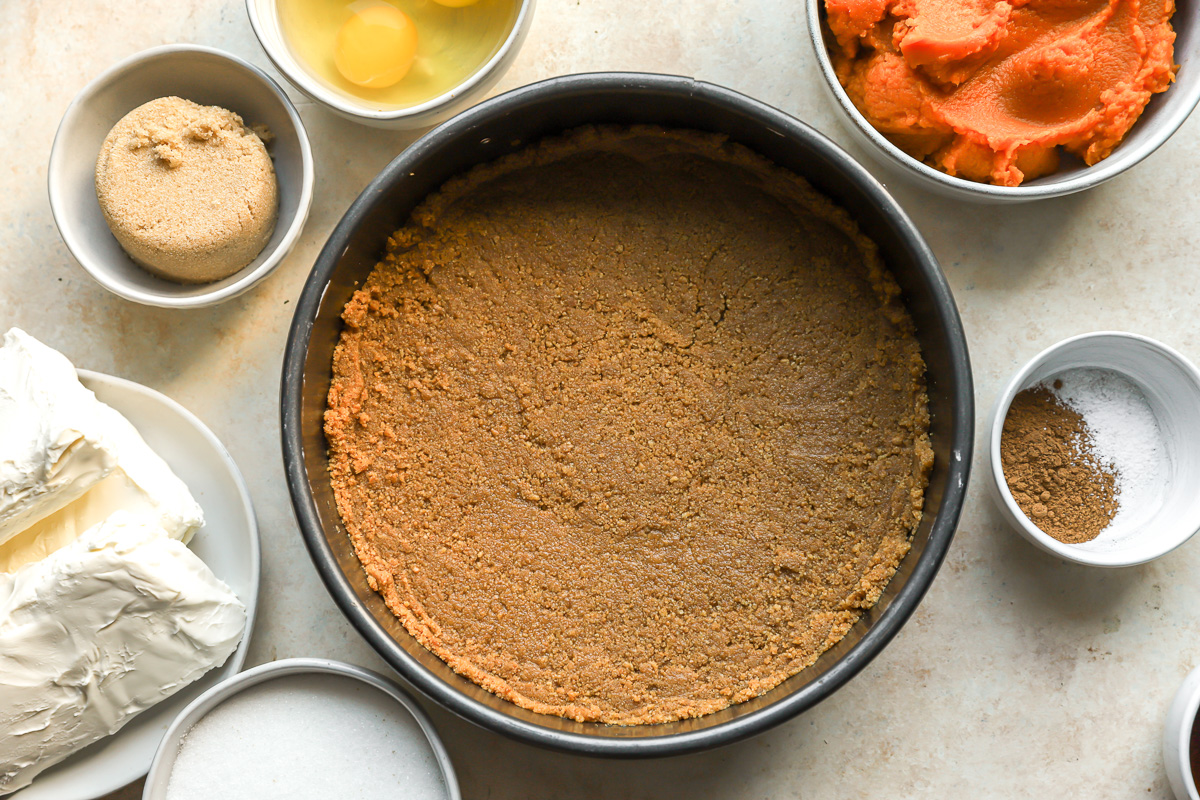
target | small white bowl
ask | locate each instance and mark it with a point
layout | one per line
(202, 75)
(1164, 114)
(264, 18)
(1171, 384)
(168, 750)
(1177, 737)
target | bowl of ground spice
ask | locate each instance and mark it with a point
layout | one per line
(1093, 453)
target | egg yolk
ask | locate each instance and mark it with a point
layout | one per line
(376, 47)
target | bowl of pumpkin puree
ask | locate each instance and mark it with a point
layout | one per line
(1003, 100)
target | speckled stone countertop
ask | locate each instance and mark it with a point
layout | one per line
(1019, 677)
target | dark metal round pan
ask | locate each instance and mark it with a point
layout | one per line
(503, 125)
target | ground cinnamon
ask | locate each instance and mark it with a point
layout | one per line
(1051, 470)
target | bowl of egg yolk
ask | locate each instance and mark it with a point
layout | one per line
(392, 63)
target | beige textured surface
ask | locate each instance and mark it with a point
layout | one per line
(1018, 677)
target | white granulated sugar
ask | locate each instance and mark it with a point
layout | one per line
(306, 737)
(1125, 437)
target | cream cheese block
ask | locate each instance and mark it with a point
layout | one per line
(99, 631)
(58, 444)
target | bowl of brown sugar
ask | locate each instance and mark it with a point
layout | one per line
(1093, 455)
(162, 185)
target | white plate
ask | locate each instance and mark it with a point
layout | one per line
(228, 544)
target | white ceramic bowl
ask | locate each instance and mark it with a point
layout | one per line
(1177, 736)
(228, 544)
(1171, 385)
(1162, 117)
(264, 18)
(168, 751)
(205, 76)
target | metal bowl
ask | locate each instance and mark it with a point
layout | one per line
(506, 124)
(1164, 114)
(1171, 386)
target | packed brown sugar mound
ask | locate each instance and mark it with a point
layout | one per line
(629, 426)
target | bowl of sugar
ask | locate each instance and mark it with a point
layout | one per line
(301, 728)
(1094, 453)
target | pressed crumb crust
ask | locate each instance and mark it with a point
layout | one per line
(629, 426)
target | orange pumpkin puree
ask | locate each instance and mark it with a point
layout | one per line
(993, 90)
